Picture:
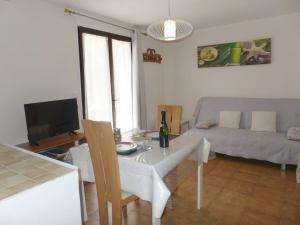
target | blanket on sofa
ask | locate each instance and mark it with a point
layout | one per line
(269, 146)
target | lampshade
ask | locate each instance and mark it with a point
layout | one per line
(169, 30)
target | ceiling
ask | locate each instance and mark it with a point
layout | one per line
(201, 13)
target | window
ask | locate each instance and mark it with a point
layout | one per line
(106, 77)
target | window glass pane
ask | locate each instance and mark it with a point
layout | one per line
(97, 77)
(123, 84)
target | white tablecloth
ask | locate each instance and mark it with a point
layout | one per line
(142, 173)
(81, 158)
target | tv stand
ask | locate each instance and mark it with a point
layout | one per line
(33, 143)
(72, 133)
(65, 140)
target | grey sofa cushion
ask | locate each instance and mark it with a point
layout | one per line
(269, 146)
(263, 121)
(294, 133)
(230, 119)
(205, 124)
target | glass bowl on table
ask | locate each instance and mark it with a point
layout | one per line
(117, 134)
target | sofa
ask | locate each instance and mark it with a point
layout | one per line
(261, 145)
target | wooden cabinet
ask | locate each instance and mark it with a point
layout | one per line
(32, 199)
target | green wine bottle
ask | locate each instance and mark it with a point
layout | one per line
(163, 132)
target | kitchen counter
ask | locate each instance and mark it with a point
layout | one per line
(31, 184)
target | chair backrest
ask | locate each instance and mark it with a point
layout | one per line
(173, 117)
(105, 164)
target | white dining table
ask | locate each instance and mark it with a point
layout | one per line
(142, 172)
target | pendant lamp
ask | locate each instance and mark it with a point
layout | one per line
(169, 29)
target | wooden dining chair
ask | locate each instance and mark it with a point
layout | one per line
(106, 169)
(173, 117)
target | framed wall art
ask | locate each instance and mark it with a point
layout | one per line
(235, 54)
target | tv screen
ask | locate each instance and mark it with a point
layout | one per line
(48, 119)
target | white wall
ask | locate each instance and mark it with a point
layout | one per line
(153, 73)
(39, 62)
(38, 59)
(184, 83)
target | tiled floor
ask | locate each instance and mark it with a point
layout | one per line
(236, 192)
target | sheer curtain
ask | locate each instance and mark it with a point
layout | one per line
(139, 100)
(123, 94)
(97, 78)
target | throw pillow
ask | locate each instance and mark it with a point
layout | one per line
(230, 119)
(263, 121)
(294, 133)
(205, 124)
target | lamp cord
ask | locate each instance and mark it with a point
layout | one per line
(169, 7)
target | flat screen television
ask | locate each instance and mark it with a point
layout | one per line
(48, 119)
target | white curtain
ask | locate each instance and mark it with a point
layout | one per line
(97, 78)
(123, 84)
(139, 102)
